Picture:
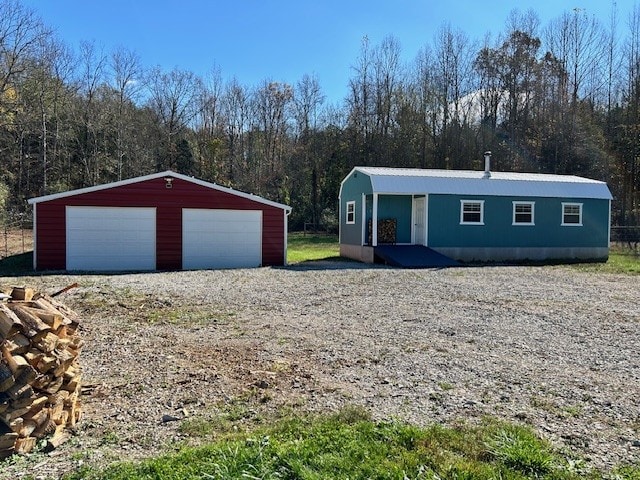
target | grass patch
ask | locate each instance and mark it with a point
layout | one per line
(17, 265)
(303, 248)
(350, 445)
(621, 261)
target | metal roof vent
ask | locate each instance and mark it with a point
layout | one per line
(487, 165)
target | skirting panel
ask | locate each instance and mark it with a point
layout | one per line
(357, 252)
(595, 254)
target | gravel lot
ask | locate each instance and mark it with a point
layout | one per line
(551, 347)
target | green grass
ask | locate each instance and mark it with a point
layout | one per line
(349, 445)
(17, 265)
(621, 261)
(303, 248)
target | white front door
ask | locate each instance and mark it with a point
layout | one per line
(419, 230)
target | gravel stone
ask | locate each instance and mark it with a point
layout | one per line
(552, 347)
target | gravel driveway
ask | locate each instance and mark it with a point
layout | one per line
(552, 347)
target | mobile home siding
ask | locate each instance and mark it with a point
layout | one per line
(352, 189)
(496, 238)
(169, 202)
(445, 229)
(396, 207)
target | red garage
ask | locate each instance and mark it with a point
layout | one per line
(163, 221)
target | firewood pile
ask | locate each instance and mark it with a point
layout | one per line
(387, 228)
(39, 371)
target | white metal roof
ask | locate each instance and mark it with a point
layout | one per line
(406, 181)
(153, 176)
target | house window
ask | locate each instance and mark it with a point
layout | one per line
(472, 212)
(351, 213)
(523, 213)
(572, 214)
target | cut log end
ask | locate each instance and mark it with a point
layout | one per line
(39, 371)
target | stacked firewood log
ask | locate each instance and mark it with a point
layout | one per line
(387, 228)
(39, 370)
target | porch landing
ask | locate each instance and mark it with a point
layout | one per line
(412, 256)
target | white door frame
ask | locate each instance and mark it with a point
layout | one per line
(414, 220)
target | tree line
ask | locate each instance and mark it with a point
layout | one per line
(560, 98)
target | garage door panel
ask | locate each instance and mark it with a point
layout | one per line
(110, 238)
(221, 238)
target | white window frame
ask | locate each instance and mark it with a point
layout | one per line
(462, 211)
(564, 213)
(350, 210)
(516, 204)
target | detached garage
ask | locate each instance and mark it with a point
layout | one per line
(163, 221)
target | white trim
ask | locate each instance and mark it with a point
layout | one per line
(153, 176)
(350, 203)
(609, 227)
(515, 203)
(363, 233)
(35, 236)
(339, 217)
(374, 222)
(572, 204)
(462, 203)
(426, 220)
(286, 236)
(415, 219)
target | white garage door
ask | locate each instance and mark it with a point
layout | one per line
(111, 238)
(221, 238)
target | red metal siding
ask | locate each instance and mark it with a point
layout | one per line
(51, 226)
(51, 237)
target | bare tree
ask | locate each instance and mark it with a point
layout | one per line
(308, 98)
(453, 68)
(46, 96)
(21, 34)
(271, 103)
(92, 63)
(235, 110)
(173, 97)
(208, 125)
(360, 104)
(426, 103)
(579, 42)
(627, 138)
(387, 81)
(126, 81)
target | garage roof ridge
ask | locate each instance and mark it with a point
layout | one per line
(153, 176)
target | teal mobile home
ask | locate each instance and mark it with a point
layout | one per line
(474, 215)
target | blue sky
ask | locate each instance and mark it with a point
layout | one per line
(282, 40)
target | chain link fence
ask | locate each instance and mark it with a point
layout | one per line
(15, 234)
(626, 236)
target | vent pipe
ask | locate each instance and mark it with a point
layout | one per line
(487, 164)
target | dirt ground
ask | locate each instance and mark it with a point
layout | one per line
(168, 354)
(14, 242)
